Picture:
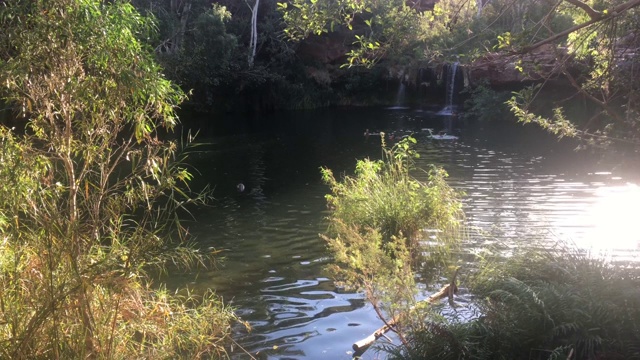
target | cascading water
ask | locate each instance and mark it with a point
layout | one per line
(402, 89)
(451, 86)
(400, 95)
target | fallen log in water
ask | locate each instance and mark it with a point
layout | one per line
(446, 292)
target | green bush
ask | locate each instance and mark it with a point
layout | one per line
(383, 195)
(543, 304)
(90, 193)
(376, 230)
(486, 104)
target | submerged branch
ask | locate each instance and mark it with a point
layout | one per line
(446, 292)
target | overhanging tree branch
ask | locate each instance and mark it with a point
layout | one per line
(607, 15)
(593, 14)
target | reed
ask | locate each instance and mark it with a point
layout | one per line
(385, 195)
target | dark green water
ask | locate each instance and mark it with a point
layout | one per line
(521, 184)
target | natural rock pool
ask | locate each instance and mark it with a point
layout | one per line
(520, 185)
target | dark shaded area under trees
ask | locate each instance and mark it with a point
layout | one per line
(297, 56)
(207, 49)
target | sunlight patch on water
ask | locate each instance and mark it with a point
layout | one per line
(614, 215)
(604, 221)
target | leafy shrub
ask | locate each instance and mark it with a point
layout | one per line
(376, 228)
(486, 104)
(544, 304)
(90, 194)
(383, 195)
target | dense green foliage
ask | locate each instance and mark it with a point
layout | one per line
(592, 46)
(90, 192)
(401, 31)
(557, 303)
(205, 60)
(378, 229)
(486, 104)
(205, 49)
(384, 195)
(389, 25)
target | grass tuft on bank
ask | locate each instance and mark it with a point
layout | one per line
(554, 303)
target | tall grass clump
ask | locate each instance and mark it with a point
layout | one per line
(91, 195)
(558, 303)
(376, 229)
(384, 195)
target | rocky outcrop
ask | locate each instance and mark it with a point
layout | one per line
(329, 48)
(501, 69)
(326, 53)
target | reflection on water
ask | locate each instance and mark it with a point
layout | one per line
(612, 212)
(520, 185)
(514, 197)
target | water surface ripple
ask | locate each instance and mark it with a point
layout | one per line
(520, 186)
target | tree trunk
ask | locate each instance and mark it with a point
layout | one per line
(175, 42)
(184, 17)
(254, 33)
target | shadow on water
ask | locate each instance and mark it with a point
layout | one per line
(519, 182)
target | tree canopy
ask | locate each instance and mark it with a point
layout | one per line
(595, 43)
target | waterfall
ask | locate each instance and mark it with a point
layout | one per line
(451, 87)
(402, 88)
(400, 95)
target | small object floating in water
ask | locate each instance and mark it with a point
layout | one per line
(442, 135)
(367, 133)
(240, 187)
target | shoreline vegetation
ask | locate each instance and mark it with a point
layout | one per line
(91, 195)
(542, 301)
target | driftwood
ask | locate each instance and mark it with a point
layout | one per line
(446, 292)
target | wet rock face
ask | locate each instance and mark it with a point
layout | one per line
(495, 69)
(506, 70)
(326, 49)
